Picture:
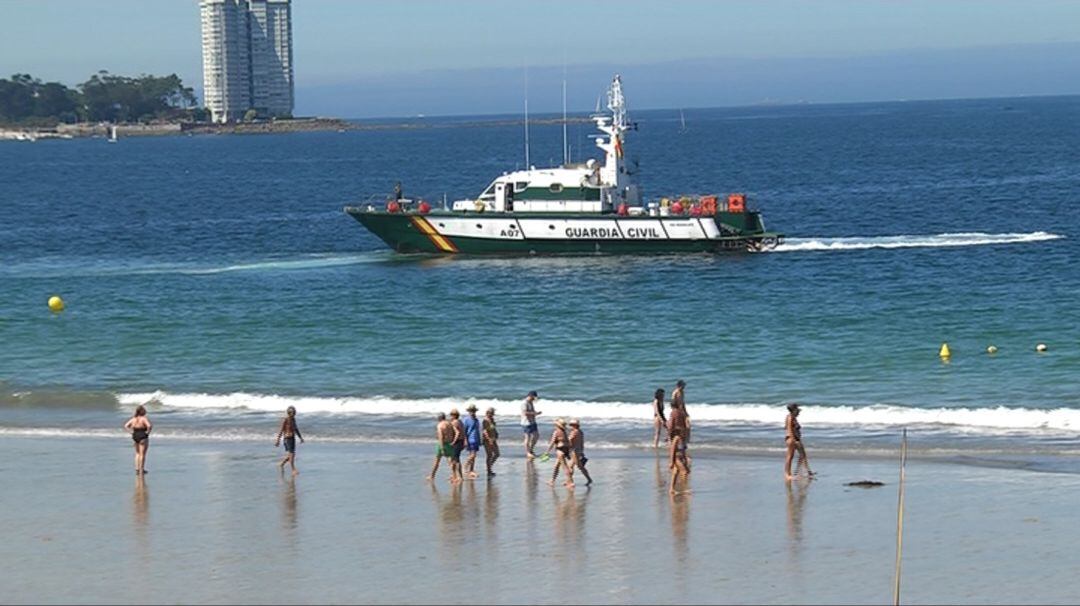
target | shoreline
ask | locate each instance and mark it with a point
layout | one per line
(292, 125)
(1033, 462)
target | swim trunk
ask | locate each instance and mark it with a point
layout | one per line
(444, 450)
(456, 454)
(530, 428)
(290, 445)
(473, 446)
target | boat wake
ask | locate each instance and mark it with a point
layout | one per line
(912, 241)
(67, 268)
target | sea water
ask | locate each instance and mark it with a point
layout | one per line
(218, 277)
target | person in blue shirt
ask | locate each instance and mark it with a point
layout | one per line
(472, 439)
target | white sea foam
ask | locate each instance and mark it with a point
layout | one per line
(69, 268)
(913, 241)
(287, 264)
(999, 419)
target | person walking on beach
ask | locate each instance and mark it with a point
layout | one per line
(679, 394)
(577, 449)
(290, 432)
(560, 442)
(443, 447)
(139, 425)
(472, 439)
(659, 420)
(528, 424)
(793, 442)
(678, 432)
(490, 435)
(457, 441)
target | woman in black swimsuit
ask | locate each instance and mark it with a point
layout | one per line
(139, 425)
(659, 420)
(560, 442)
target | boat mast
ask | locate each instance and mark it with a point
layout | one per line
(527, 165)
(613, 173)
(565, 149)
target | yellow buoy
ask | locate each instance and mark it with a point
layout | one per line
(945, 353)
(991, 350)
(1041, 347)
(56, 304)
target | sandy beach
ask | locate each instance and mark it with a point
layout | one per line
(215, 523)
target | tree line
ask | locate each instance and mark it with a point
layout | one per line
(104, 97)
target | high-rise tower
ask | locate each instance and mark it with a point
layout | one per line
(247, 58)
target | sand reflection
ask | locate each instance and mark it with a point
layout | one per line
(140, 507)
(491, 514)
(288, 506)
(796, 500)
(451, 515)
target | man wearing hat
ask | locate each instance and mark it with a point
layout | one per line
(472, 439)
(528, 424)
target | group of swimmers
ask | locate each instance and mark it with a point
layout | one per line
(455, 435)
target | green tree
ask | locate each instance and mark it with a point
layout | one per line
(103, 97)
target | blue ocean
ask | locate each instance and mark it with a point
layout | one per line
(218, 278)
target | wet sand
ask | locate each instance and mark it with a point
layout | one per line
(215, 522)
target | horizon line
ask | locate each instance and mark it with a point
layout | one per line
(758, 105)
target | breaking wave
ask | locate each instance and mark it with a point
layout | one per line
(990, 420)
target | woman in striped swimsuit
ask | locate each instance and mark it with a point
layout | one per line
(793, 442)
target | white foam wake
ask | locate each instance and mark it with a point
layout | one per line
(314, 262)
(913, 241)
(999, 419)
(62, 267)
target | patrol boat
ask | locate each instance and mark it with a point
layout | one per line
(573, 208)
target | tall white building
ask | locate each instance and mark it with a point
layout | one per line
(247, 58)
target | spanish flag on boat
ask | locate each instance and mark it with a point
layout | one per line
(618, 146)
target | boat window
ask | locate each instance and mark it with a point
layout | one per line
(555, 187)
(520, 186)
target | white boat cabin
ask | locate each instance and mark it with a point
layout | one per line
(588, 187)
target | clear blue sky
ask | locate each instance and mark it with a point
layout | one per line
(349, 47)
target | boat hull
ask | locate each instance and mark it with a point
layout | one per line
(517, 233)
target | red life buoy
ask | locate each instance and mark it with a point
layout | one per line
(423, 208)
(708, 205)
(392, 206)
(736, 203)
(623, 210)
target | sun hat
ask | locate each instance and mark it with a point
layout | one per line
(560, 423)
(574, 422)
(472, 408)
